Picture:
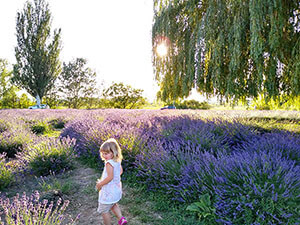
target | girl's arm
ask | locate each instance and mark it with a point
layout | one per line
(110, 176)
(121, 171)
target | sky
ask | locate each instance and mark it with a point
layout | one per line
(114, 36)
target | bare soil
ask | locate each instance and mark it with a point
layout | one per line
(85, 200)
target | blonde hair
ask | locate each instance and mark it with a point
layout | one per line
(111, 145)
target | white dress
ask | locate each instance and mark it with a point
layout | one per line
(112, 192)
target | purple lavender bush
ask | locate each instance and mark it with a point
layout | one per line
(90, 132)
(14, 140)
(286, 143)
(248, 176)
(32, 211)
(48, 155)
(3, 126)
(185, 165)
(7, 176)
(257, 188)
(32, 153)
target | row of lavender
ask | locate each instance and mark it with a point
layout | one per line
(23, 147)
(250, 176)
(26, 150)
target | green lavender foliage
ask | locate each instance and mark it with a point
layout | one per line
(50, 155)
(6, 173)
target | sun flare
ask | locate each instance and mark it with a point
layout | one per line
(162, 49)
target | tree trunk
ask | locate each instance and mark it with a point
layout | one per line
(38, 100)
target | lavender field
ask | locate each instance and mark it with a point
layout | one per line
(226, 167)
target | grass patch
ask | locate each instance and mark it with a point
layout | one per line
(90, 189)
(52, 133)
(267, 124)
(91, 162)
(50, 183)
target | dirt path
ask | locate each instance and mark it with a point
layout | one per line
(85, 200)
(82, 195)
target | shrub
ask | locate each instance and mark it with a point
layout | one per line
(6, 174)
(284, 142)
(11, 148)
(50, 155)
(40, 127)
(33, 210)
(185, 165)
(58, 123)
(234, 134)
(161, 174)
(90, 133)
(183, 172)
(14, 141)
(3, 126)
(257, 188)
(192, 104)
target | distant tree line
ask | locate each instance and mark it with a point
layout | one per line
(76, 87)
(39, 71)
(192, 104)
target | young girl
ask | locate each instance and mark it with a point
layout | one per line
(110, 186)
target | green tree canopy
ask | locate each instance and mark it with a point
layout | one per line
(232, 49)
(77, 82)
(8, 96)
(52, 98)
(37, 54)
(124, 96)
(5, 76)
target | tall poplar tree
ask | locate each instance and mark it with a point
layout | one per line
(37, 53)
(231, 49)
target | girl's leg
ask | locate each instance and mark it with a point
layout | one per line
(106, 218)
(117, 211)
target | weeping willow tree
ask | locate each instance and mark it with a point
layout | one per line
(233, 49)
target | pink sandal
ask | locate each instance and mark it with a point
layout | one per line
(122, 221)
